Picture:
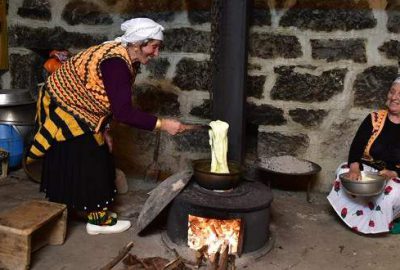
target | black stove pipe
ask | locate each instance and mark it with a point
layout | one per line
(229, 69)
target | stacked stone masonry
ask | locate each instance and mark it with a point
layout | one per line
(315, 69)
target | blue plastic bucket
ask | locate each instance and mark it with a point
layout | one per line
(12, 142)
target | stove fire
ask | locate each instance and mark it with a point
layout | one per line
(214, 234)
(216, 240)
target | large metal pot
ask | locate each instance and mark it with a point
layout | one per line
(18, 108)
(216, 181)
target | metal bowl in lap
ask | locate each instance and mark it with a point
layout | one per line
(371, 184)
(216, 181)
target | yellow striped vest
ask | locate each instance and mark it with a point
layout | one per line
(77, 86)
(73, 101)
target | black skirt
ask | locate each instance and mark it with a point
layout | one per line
(79, 173)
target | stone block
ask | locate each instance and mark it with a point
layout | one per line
(268, 46)
(255, 86)
(199, 11)
(158, 67)
(264, 115)
(156, 10)
(308, 118)
(26, 71)
(51, 38)
(372, 85)
(186, 40)
(393, 22)
(329, 16)
(192, 75)
(391, 49)
(277, 144)
(335, 50)
(81, 12)
(155, 99)
(296, 86)
(35, 9)
(192, 141)
(260, 16)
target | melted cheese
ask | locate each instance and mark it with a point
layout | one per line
(219, 146)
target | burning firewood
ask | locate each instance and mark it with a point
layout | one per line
(223, 258)
(213, 259)
(200, 255)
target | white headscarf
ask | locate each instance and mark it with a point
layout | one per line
(397, 80)
(140, 29)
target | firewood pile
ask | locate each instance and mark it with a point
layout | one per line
(132, 262)
(221, 260)
(216, 261)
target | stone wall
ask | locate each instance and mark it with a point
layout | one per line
(316, 69)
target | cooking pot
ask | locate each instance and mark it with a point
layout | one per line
(216, 181)
(11, 97)
(18, 108)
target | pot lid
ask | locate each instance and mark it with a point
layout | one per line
(11, 97)
(160, 197)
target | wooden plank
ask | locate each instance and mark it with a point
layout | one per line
(3, 36)
(15, 251)
(26, 218)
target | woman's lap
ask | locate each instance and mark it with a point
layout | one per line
(366, 214)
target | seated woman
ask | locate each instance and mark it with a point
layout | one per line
(377, 140)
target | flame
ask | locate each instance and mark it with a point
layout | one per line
(213, 234)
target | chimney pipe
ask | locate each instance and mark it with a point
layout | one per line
(229, 27)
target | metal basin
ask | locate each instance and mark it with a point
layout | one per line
(366, 187)
(216, 181)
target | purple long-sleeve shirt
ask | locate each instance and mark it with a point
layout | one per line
(117, 81)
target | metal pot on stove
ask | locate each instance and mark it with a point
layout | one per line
(216, 181)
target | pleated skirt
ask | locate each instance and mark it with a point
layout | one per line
(79, 173)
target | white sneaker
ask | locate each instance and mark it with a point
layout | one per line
(120, 226)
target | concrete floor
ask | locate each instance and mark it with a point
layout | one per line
(307, 235)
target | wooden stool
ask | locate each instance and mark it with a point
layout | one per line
(27, 228)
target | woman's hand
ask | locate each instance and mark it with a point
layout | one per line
(354, 172)
(172, 126)
(388, 174)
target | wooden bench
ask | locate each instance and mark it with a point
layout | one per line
(27, 228)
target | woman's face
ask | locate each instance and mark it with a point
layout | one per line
(393, 99)
(145, 53)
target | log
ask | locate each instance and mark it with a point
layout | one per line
(121, 254)
(200, 255)
(223, 258)
(213, 261)
(174, 264)
(231, 264)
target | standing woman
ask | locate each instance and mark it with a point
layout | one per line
(376, 141)
(74, 109)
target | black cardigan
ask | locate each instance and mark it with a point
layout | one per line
(386, 146)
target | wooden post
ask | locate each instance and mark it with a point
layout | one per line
(3, 36)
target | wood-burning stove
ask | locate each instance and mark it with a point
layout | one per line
(250, 202)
